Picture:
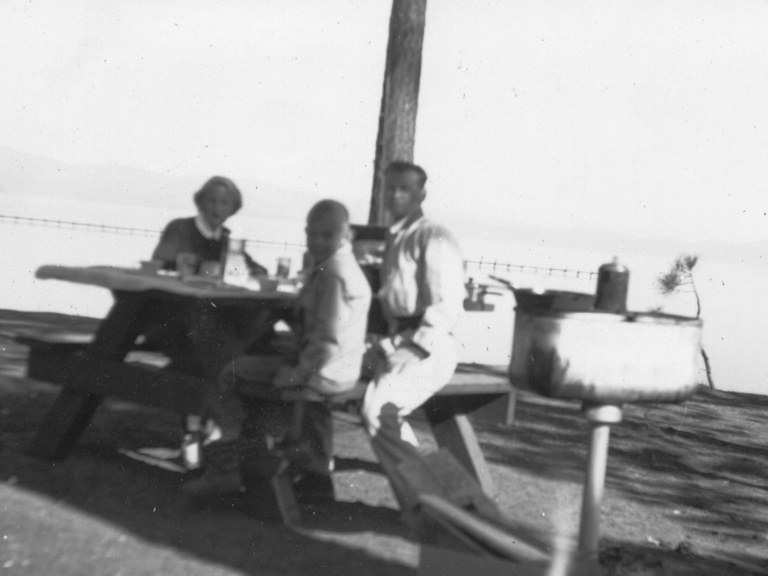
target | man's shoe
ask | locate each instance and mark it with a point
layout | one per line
(212, 432)
(213, 482)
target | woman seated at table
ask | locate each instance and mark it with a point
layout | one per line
(204, 235)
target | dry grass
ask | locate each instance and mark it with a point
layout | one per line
(686, 491)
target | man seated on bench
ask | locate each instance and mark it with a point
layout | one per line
(422, 293)
(327, 359)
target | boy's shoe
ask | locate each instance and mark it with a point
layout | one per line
(311, 488)
(302, 457)
(229, 454)
(214, 481)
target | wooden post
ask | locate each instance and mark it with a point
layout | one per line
(399, 98)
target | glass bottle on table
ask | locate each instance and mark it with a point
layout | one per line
(236, 270)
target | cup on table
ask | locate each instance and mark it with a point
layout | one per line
(150, 267)
(186, 264)
(211, 269)
(267, 284)
(283, 267)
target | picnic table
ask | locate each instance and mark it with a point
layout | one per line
(218, 318)
(90, 371)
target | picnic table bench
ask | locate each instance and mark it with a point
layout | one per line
(108, 366)
(86, 376)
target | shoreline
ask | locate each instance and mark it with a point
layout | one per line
(730, 328)
(28, 320)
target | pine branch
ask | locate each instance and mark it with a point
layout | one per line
(678, 278)
(707, 368)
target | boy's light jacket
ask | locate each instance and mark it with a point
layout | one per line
(334, 303)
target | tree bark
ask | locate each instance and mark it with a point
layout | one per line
(399, 98)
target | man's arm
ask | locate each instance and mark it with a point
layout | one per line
(441, 284)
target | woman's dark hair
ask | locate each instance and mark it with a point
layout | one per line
(227, 184)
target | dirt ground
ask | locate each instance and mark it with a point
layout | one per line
(686, 490)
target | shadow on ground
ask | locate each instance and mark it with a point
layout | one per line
(694, 469)
(701, 464)
(84, 502)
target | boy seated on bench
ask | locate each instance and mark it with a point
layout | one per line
(326, 358)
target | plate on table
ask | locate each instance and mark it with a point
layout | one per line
(270, 285)
(202, 282)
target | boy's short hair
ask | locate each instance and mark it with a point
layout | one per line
(329, 209)
(403, 166)
(229, 186)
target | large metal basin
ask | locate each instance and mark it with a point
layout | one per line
(605, 358)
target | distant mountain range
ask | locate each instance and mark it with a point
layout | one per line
(24, 173)
(747, 253)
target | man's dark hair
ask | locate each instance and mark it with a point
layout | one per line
(402, 166)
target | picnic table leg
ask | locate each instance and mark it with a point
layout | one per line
(72, 411)
(64, 424)
(117, 333)
(509, 416)
(455, 433)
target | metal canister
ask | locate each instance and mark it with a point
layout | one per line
(612, 287)
(283, 267)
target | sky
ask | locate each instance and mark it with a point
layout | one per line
(642, 117)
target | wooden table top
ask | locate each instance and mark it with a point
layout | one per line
(135, 280)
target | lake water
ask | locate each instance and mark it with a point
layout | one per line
(733, 304)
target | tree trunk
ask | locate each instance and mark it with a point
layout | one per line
(399, 98)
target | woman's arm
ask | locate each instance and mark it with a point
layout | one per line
(254, 267)
(168, 247)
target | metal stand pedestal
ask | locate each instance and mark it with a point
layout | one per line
(600, 417)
